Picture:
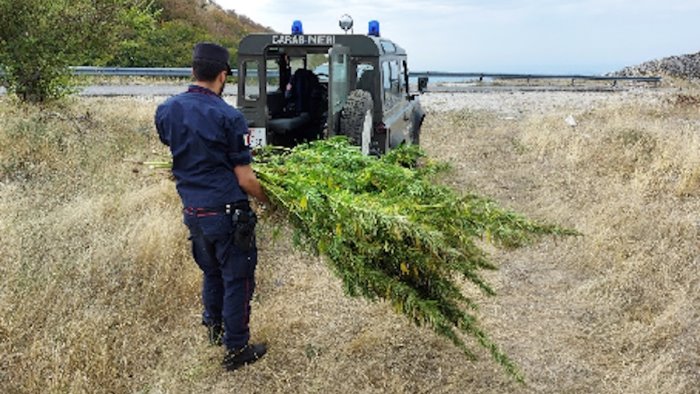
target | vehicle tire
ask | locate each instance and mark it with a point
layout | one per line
(356, 119)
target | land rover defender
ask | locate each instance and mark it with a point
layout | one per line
(298, 87)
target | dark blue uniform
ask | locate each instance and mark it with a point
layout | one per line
(206, 137)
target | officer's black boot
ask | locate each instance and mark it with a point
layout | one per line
(248, 354)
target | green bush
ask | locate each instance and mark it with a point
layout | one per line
(168, 44)
(40, 39)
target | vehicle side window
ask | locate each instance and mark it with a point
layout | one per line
(391, 80)
(251, 85)
(395, 78)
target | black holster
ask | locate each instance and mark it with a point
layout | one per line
(244, 221)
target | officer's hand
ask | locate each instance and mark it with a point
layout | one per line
(262, 209)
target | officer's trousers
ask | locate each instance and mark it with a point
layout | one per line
(229, 275)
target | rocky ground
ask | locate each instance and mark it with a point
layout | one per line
(683, 66)
(516, 104)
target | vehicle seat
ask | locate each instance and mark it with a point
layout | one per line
(275, 104)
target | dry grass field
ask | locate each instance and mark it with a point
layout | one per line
(98, 292)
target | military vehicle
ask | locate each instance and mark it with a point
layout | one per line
(298, 87)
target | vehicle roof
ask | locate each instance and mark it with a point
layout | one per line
(360, 45)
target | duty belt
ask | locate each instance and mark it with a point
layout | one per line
(226, 209)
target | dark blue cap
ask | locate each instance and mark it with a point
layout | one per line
(210, 52)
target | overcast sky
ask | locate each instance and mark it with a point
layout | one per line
(546, 36)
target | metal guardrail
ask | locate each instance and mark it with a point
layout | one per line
(481, 76)
(186, 72)
(131, 71)
(134, 71)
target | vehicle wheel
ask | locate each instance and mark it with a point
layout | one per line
(356, 119)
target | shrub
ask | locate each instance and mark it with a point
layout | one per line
(39, 40)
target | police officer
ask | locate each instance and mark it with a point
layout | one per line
(211, 165)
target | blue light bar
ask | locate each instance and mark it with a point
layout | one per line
(373, 28)
(297, 28)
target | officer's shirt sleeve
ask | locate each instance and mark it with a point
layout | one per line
(236, 132)
(163, 133)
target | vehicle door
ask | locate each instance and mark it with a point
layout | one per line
(338, 84)
(396, 111)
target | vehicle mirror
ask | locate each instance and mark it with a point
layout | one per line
(422, 84)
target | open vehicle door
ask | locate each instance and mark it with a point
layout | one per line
(339, 84)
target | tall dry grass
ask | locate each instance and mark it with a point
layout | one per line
(617, 309)
(99, 292)
(95, 276)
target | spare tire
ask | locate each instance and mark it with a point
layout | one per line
(356, 119)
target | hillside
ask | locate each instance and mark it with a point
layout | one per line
(225, 25)
(162, 33)
(683, 66)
